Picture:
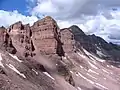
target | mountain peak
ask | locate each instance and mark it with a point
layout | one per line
(76, 30)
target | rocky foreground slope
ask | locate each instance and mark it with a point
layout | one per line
(44, 57)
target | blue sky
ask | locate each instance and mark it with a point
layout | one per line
(10, 5)
(92, 16)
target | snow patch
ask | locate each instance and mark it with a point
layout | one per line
(85, 78)
(67, 56)
(64, 58)
(91, 76)
(79, 88)
(112, 66)
(77, 75)
(104, 78)
(71, 72)
(93, 71)
(92, 65)
(100, 53)
(81, 67)
(83, 56)
(14, 69)
(111, 73)
(105, 71)
(35, 71)
(46, 73)
(98, 48)
(86, 52)
(108, 66)
(100, 60)
(15, 57)
(1, 64)
(93, 57)
(101, 86)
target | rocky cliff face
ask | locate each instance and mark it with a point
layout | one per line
(21, 38)
(45, 35)
(44, 57)
(6, 42)
(67, 38)
(42, 37)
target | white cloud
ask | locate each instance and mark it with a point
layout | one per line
(9, 17)
(56, 8)
(69, 9)
(46, 6)
(100, 17)
(106, 28)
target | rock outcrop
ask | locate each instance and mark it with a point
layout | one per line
(6, 42)
(45, 35)
(67, 38)
(21, 38)
(42, 37)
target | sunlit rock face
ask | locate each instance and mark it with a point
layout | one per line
(42, 37)
(45, 35)
(67, 38)
(5, 41)
(21, 38)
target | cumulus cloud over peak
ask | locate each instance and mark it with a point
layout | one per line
(71, 8)
(9, 17)
(106, 28)
(100, 17)
(57, 7)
